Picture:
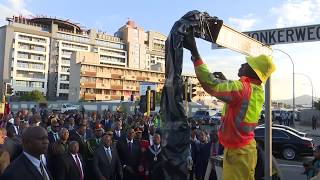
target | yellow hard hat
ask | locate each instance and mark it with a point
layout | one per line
(262, 65)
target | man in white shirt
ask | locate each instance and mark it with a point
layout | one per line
(29, 165)
(71, 164)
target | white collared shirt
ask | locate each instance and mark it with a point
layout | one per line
(151, 139)
(158, 146)
(118, 133)
(130, 141)
(16, 129)
(36, 162)
(75, 160)
(108, 151)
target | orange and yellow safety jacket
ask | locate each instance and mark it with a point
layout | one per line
(243, 99)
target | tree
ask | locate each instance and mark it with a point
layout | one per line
(34, 95)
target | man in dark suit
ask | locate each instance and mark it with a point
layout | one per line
(29, 165)
(129, 153)
(71, 164)
(58, 149)
(117, 134)
(55, 127)
(149, 134)
(202, 155)
(106, 122)
(13, 129)
(154, 155)
(78, 135)
(106, 161)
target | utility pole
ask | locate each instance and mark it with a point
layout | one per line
(148, 100)
(268, 133)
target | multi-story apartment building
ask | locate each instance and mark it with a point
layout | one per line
(91, 80)
(35, 53)
(145, 49)
(38, 54)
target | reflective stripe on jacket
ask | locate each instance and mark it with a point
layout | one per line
(243, 99)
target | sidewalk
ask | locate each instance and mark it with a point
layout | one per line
(307, 129)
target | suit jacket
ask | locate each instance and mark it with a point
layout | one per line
(202, 155)
(11, 131)
(130, 159)
(51, 137)
(22, 168)
(117, 138)
(152, 161)
(103, 167)
(68, 169)
(74, 136)
(106, 124)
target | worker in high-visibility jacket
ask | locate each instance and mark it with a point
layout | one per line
(243, 99)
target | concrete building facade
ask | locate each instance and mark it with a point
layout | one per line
(91, 80)
(145, 49)
(36, 53)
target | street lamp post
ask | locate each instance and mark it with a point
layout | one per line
(312, 103)
(293, 86)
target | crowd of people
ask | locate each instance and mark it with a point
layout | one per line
(38, 144)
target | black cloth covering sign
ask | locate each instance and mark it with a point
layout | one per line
(176, 130)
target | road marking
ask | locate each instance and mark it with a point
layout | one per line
(290, 165)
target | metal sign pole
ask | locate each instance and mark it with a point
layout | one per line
(268, 132)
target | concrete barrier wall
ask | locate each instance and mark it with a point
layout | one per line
(128, 106)
(306, 116)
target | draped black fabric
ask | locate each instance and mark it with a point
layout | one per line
(176, 133)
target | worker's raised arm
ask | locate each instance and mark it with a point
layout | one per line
(225, 90)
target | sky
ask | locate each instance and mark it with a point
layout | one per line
(160, 15)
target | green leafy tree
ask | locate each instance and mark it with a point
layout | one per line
(34, 95)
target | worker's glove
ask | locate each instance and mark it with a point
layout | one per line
(189, 43)
(219, 75)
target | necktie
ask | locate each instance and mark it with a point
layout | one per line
(55, 136)
(79, 167)
(109, 155)
(43, 171)
(130, 146)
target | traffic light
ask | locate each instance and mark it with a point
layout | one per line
(192, 91)
(143, 104)
(122, 98)
(9, 89)
(132, 97)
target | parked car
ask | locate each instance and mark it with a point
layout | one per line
(216, 119)
(203, 115)
(63, 107)
(302, 134)
(286, 143)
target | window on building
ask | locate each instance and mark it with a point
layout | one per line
(64, 86)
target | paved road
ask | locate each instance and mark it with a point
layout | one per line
(292, 170)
